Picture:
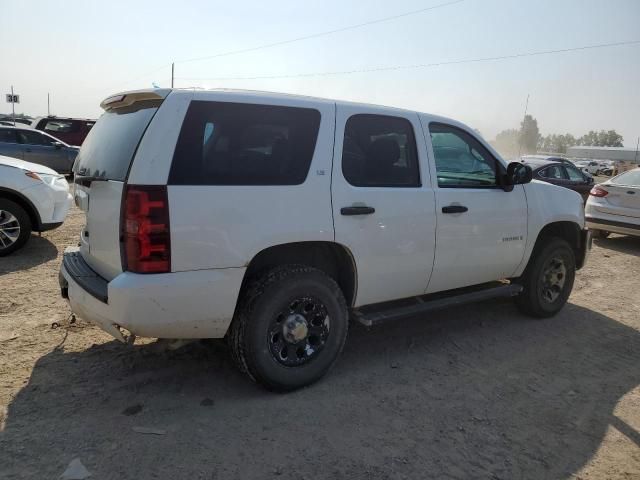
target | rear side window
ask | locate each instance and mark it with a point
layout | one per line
(224, 143)
(380, 151)
(109, 148)
(30, 137)
(8, 136)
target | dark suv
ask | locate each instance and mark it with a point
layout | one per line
(70, 130)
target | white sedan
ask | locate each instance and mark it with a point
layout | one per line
(614, 206)
(32, 198)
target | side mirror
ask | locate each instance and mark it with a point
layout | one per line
(517, 174)
(58, 145)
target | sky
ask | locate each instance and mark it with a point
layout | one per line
(81, 51)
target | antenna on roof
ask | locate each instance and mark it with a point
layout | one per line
(526, 106)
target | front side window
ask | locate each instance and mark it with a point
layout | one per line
(461, 160)
(574, 174)
(244, 144)
(380, 151)
(33, 138)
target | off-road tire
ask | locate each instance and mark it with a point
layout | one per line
(531, 300)
(263, 298)
(25, 226)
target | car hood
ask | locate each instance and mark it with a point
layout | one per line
(32, 167)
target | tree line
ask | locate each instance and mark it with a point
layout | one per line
(528, 140)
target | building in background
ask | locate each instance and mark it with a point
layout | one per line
(619, 154)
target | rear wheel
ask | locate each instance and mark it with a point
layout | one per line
(290, 327)
(600, 233)
(548, 279)
(15, 227)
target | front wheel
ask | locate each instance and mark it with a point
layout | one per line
(289, 328)
(548, 279)
(15, 227)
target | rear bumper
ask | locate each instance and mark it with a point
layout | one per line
(615, 226)
(195, 304)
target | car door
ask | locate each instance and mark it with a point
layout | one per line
(9, 145)
(481, 228)
(41, 149)
(383, 203)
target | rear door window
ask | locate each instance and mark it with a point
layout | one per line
(108, 150)
(380, 151)
(8, 136)
(34, 138)
(224, 143)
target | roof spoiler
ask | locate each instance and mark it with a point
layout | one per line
(127, 99)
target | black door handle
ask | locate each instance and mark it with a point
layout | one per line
(357, 210)
(454, 209)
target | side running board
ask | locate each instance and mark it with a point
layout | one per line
(371, 315)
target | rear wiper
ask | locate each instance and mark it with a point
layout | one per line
(86, 180)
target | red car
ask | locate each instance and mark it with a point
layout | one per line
(70, 130)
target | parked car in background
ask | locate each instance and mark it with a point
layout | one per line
(546, 158)
(37, 147)
(32, 198)
(324, 212)
(614, 206)
(70, 130)
(18, 121)
(590, 166)
(563, 174)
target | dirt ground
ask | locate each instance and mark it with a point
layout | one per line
(473, 392)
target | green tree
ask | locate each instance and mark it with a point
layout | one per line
(556, 143)
(529, 134)
(506, 143)
(602, 138)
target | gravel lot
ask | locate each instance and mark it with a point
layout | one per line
(473, 392)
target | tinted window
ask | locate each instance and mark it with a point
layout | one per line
(461, 160)
(574, 174)
(7, 136)
(244, 144)
(380, 151)
(109, 148)
(29, 137)
(554, 172)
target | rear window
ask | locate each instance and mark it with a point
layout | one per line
(632, 177)
(244, 144)
(109, 148)
(61, 126)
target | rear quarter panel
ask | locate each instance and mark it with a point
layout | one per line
(226, 226)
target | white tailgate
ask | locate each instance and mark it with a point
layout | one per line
(100, 238)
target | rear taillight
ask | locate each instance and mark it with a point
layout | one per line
(598, 192)
(145, 229)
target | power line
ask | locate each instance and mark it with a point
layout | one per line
(320, 34)
(415, 66)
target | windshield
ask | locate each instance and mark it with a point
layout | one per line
(109, 148)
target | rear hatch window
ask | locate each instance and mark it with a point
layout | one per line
(107, 151)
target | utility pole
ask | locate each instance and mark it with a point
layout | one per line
(526, 107)
(13, 107)
(172, 70)
(48, 109)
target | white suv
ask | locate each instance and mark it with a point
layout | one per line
(272, 219)
(32, 198)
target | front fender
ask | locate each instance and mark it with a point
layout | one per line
(548, 204)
